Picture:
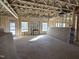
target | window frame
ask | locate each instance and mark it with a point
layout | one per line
(23, 29)
(43, 28)
(60, 24)
(12, 21)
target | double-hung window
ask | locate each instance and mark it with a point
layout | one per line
(12, 27)
(44, 26)
(60, 24)
(24, 26)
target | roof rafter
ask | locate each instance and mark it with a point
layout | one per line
(8, 8)
(32, 7)
(77, 2)
(41, 5)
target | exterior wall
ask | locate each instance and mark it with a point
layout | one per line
(51, 22)
(5, 24)
(36, 20)
(67, 19)
(41, 20)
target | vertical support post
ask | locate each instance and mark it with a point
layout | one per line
(0, 20)
(65, 20)
(73, 23)
(19, 27)
(77, 30)
(73, 18)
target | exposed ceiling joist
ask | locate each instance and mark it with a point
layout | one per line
(45, 2)
(1, 9)
(37, 7)
(27, 7)
(67, 3)
(77, 2)
(41, 5)
(9, 9)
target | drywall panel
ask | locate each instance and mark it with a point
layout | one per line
(60, 33)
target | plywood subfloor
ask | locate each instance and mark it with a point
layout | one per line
(45, 48)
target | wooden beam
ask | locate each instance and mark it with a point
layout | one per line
(69, 1)
(41, 5)
(32, 7)
(8, 9)
(77, 2)
(70, 4)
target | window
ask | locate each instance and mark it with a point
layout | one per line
(24, 26)
(12, 28)
(44, 26)
(60, 24)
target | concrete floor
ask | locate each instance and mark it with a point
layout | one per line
(45, 47)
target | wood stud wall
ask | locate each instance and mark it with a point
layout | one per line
(5, 24)
(71, 19)
(67, 19)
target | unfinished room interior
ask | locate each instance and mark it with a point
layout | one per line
(39, 29)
